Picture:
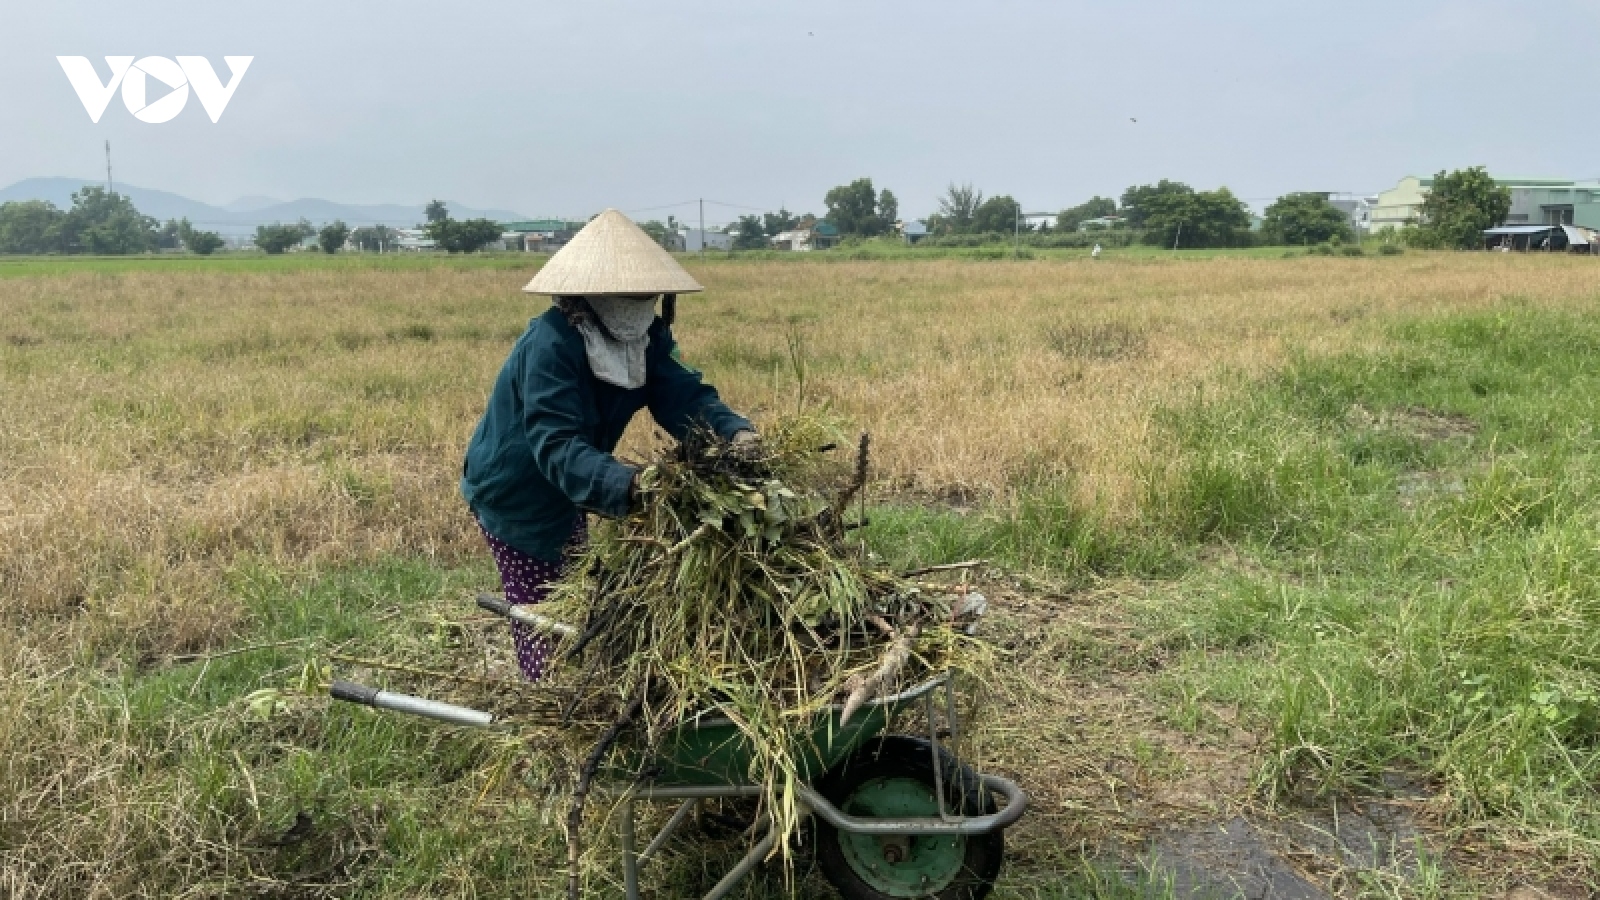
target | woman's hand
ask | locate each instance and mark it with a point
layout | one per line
(746, 444)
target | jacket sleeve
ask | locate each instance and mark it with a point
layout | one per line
(554, 424)
(679, 398)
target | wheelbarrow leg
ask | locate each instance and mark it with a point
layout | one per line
(666, 831)
(630, 864)
(756, 855)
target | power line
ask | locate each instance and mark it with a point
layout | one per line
(738, 206)
(666, 206)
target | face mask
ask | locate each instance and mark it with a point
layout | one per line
(619, 358)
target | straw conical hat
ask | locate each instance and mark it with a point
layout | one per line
(611, 255)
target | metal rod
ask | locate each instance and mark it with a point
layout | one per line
(933, 748)
(1016, 805)
(698, 791)
(521, 614)
(953, 721)
(950, 713)
(756, 854)
(660, 840)
(405, 703)
(630, 865)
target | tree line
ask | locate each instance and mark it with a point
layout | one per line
(1458, 207)
(99, 222)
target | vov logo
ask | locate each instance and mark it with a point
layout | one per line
(134, 78)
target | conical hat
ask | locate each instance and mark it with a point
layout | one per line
(611, 255)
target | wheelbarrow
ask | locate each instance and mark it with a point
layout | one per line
(894, 815)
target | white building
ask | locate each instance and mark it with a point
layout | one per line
(695, 240)
(413, 239)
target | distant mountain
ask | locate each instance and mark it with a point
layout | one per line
(243, 215)
(251, 203)
(162, 205)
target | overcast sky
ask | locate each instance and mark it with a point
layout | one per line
(566, 107)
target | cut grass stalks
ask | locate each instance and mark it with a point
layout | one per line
(733, 588)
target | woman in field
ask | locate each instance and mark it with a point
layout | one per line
(541, 457)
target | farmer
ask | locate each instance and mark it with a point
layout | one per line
(541, 457)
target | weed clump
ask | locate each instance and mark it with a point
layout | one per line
(736, 587)
(1099, 341)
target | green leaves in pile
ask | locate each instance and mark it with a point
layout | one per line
(734, 587)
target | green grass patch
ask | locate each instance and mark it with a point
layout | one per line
(1423, 525)
(1040, 528)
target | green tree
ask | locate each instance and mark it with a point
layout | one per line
(998, 215)
(332, 236)
(1093, 208)
(750, 234)
(373, 238)
(180, 234)
(956, 209)
(469, 236)
(435, 211)
(278, 238)
(779, 222)
(888, 208)
(1302, 219)
(168, 237)
(1175, 215)
(200, 243)
(656, 230)
(1460, 205)
(105, 222)
(1135, 200)
(853, 209)
(663, 233)
(31, 226)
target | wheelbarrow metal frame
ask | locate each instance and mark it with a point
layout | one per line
(814, 804)
(689, 795)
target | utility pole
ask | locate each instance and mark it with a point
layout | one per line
(108, 166)
(1016, 230)
(702, 226)
(1179, 236)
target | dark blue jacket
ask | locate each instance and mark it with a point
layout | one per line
(543, 449)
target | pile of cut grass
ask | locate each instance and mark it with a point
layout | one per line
(735, 587)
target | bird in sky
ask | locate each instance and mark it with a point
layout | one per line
(1133, 120)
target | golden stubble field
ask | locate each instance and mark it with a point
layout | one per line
(157, 427)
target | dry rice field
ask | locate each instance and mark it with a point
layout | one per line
(162, 430)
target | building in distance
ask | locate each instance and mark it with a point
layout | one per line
(1534, 201)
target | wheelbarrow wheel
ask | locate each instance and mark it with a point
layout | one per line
(893, 778)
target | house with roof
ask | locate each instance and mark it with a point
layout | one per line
(413, 240)
(1547, 238)
(540, 235)
(1534, 201)
(818, 235)
(695, 240)
(1102, 223)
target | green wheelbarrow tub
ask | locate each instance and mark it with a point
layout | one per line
(709, 749)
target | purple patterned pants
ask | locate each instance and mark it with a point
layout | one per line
(527, 579)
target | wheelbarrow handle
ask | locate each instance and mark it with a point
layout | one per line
(522, 615)
(495, 603)
(351, 692)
